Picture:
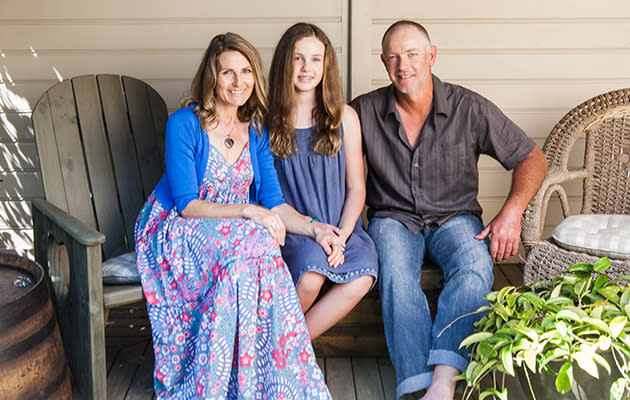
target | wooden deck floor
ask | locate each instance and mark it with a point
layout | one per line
(130, 357)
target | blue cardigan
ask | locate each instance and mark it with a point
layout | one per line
(186, 157)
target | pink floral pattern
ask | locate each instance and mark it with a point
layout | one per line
(225, 318)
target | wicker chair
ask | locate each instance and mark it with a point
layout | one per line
(605, 121)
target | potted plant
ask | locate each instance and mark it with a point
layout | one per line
(564, 329)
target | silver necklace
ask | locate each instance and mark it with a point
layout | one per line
(229, 142)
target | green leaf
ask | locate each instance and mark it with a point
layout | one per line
(494, 392)
(568, 314)
(597, 323)
(604, 342)
(617, 389)
(600, 281)
(564, 380)
(626, 308)
(474, 338)
(562, 328)
(530, 359)
(555, 292)
(506, 359)
(581, 267)
(485, 349)
(625, 296)
(617, 325)
(597, 312)
(586, 362)
(601, 264)
(529, 332)
(602, 361)
(610, 292)
(532, 298)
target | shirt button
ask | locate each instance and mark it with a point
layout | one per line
(416, 165)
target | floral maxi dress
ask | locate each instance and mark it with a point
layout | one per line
(225, 318)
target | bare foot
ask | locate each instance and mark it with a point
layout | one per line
(442, 385)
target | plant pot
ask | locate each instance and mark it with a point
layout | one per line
(585, 387)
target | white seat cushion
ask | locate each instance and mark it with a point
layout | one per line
(121, 269)
(601, 235)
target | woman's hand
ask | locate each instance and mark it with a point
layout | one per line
(333, 247)
(269, 219)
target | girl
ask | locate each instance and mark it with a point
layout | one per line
(316, 140)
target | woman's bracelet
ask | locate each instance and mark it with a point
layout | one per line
(311, 219)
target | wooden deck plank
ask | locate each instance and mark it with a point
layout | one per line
(142, 383)
(339, 378)
(367, 381)
(122, 372)
(388, 377)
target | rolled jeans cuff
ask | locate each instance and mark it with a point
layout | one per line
(414, 384)
(446, 357)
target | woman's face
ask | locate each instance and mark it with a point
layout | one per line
(235, 79)
(308, 64)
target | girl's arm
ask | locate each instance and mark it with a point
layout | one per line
(355, 178)
(298, 223)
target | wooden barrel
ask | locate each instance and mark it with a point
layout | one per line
(32, 360)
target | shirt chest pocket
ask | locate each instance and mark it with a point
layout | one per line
(450, 161)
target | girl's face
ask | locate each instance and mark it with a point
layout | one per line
(308, 64)
(235, 79)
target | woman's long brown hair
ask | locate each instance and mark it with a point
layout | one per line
(202, 88)
(329, 95)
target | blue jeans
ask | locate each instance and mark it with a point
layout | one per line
(415, 342)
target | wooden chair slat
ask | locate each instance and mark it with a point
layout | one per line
(70, 152)
(140, 117)
(47, 153)
(160, 116)
(122, 152)
(99, 164)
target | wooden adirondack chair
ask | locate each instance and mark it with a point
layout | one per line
(100, 144)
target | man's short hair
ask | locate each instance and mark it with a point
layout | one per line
(404, 22)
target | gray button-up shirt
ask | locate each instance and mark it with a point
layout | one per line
(423, 187)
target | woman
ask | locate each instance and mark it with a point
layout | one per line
(225, 319)
(316, 139)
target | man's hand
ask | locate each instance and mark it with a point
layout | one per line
(504, 231)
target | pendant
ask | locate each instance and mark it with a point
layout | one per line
(229, 142)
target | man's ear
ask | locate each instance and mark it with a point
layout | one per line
(432, 55)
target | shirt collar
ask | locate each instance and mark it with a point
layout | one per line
(440, 105)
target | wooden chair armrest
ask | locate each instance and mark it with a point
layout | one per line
(76, 277)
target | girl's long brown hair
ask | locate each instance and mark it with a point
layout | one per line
(202, 88)
(329, 94)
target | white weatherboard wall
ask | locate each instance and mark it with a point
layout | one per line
(43, 42)
(535, 59)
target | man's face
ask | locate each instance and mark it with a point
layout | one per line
(408, 58)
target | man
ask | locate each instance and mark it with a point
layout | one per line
(422, 139)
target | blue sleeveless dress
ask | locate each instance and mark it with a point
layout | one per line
(315, 185)
(225, 318)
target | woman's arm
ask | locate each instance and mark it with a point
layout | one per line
(355, 178)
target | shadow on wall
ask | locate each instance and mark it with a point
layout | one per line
(20, 177)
